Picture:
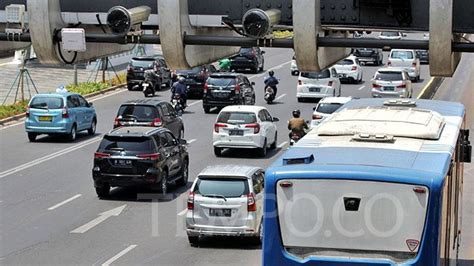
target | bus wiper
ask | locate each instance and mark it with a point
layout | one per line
(215, 196)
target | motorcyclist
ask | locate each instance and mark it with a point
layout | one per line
(180, 88)
(271, 81)
(297, 125)
(224, 64)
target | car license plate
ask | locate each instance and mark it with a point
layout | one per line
(236, 132)
(220, 212)
(314, 89)
(122, 163)
(388, 88)
(46, 118)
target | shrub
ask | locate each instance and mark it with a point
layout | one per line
(13, 109)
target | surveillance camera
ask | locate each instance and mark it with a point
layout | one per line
(257, 23)
(121, 20)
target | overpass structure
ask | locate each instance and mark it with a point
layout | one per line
(193, 32)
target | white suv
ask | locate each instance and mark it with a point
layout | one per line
(317, 85)
(326, 107)
(243, 126)
(407, 60)
(349, 70)
(226, 200)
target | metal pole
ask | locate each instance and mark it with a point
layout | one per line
(75, 74)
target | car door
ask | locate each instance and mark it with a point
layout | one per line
(258, 181)
(87, 112)
(249, 93)
(172, 153)
(265, 127)
(165, 71)
(171, 118)
(272, 128)
(75, 111)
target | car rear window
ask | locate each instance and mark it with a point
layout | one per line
(132, 144)
(328, 108)
(138, 112)
(143, 63)
(317, 75)
(245, 50)
(345, 62)
(227, 187)
(389, 76)
(401, 55)
(222, 82)
(47, 102)
(237, 118)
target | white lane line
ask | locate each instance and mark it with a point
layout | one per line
(361, 88)
(102, 217)
(191, 141)
(196, 102)
(64, 202)
(183, 212)
(282, 144)
(279, 97)
(120, 254)
(47, 157)
(272, 68)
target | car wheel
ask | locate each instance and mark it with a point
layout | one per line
(259, 236)
(207, 109)
(193, 240)
(103, 191)
(262, 67)
(263, 151)
(255, 70)
(274, 144)
(183, 181)
(72, 135)
(129, 87)
(91, 130)
(164, 183)
(218, 151)
(299, 100)
(32, 136)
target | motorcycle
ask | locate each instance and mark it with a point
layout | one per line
(148, 88)
(294, 137)
(178, 103)
(269, 95)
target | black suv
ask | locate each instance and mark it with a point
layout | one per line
(150, 112)
(248, 58)
(223, 89)
(369, 55)
(140, 157)
(136, 71)
(195, 78)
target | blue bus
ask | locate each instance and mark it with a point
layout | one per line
(378, 183)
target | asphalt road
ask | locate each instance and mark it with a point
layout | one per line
(47, 194)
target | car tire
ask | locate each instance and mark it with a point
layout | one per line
(217, 151)
(207, 109)
(262, 67)
(163, 185)
(129, 87)
(32, 136)
(259, 237)
(103, 191)
(183, 181)
(274, 144)
(255, 70)
(73, 134)
(92, 129)
(263, 151)
(299, 100)
(193, 240)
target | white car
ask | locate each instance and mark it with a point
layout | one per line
(349, 70)
(243, 126)
(407, 60)
(391, 35)
(293, 67)
(391, 82)
(326, 107)
(317, 85)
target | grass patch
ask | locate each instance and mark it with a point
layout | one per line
(283, 34)
(13, 109)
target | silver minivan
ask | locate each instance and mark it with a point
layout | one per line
(226, 200)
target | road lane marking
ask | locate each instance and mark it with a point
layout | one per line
(47, 157)
(64, 202)
(279, 97)
(191, 141)
(120, 254)
(425, 88)
(196, 102)
(102, 217)
(272, 68)
(361, 88)
(282, 144)
(183, 212)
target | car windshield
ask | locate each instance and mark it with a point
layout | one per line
(389, 76)
(229, 188)
(47, 102)
(390, 34)
(193, 70)
(138, 112)
(316, 75)
(143, 63)
(221, 82)
(345, 62)
(328, 108)
(245, 50)
(132, 144)
(402, 55)
(237, 118)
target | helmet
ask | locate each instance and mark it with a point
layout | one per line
(296, 113)
(181, 79)
(271, 73)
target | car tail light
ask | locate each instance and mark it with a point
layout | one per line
(206, 87)
(300, 82)
(414, 64)
(237, 88)
(374, 85)
(251, 203)
(315, 117)
(403, 86)
(151, 156)
(28, 112)
(354, 68)
(255, 126)
(217, 126)
(389, 63)
(191, 201)
(117, 122)
(65, 113)
(156, 122)
(98, 155)
(330, 83)
(129, 68)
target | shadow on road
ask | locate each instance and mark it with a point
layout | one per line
(248, 153)
(147, 194)
(243, 243)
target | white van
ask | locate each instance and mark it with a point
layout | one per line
(317, 85)
(407, 60)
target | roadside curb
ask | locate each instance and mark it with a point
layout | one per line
(17, 117)
(431, 88)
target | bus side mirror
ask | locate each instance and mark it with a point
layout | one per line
(466, 148)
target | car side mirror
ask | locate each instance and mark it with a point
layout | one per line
(183, 141)
(275, 119)
(263, 52)
(252, 83)
(90, 104)
(404, 35)
(314, 108)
